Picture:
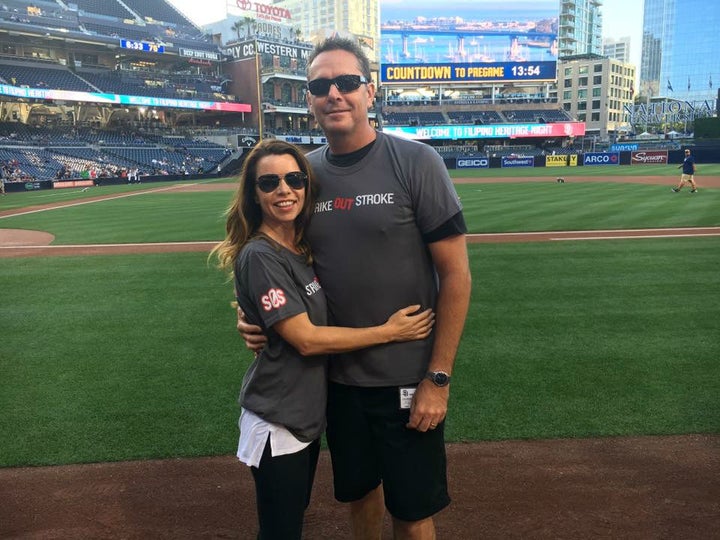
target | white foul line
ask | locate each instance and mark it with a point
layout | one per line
(634, 236)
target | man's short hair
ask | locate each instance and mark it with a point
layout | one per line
(342, 44)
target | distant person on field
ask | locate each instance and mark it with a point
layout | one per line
(688, 173)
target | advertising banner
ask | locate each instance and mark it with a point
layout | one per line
(248, 49)
(561, 161)
(472, 163)
(517, 162)
(624, 147)
(73, 183)
(601, 158)
(649, 157)
(200, 55)
(488, 131)
(120, 99)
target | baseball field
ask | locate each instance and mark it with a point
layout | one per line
(585, 397)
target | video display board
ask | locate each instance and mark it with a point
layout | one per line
(488, 131)
(468, 41)
(120, 99)
(144, 46)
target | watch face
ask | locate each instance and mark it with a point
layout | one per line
(440, 378)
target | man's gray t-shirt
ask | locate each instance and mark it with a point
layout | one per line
(282, 386)
(367, 240)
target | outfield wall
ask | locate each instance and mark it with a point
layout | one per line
(586, 159)
(34, 185)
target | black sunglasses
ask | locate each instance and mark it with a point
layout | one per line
(344, 83)
(270, 182)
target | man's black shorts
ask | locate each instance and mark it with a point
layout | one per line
(369, 444)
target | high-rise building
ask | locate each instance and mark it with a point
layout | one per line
(619, 49)
(580, 27)
(595, 90)
(322, 18)
(680, 49)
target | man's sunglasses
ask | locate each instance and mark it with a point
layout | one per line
(344, 83)
(270, 182)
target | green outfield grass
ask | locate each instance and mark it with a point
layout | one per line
(671, 170)
(490, 207)
(118, 357)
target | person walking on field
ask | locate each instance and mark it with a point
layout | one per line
(387, 229)
(688, 173)
(284, 391)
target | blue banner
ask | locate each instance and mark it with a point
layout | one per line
(145, 46)
(517, 162)
(472, 163)
(625, 147)
(601, 158)
(120, 99)
(467, 72)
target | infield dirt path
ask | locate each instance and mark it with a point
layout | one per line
(637, 487)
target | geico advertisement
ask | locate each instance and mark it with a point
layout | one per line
(472, 163)
(601, 158)
(569, 160)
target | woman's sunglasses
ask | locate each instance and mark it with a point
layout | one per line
(270, 182)
(344, 83)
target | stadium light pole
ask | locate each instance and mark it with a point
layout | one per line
(260, 111)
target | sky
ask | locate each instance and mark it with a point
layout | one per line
(623, 18)
(620, 18)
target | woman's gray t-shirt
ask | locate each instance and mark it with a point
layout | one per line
(282, 386)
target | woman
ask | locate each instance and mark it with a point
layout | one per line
(283, 392)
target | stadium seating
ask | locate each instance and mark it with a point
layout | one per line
(475, 117)
(537, 115)
(414, 118)
(158, 10)
(38, 75)
(109, 8)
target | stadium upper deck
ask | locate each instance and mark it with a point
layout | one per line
(175, 77)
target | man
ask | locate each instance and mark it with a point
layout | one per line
(688, 173)
(387, 230)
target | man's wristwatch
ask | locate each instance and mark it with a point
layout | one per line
(439, 378)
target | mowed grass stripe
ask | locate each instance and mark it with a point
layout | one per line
(587, 339)
(511, 207)
(617, 171)
(117, 357)
(523, 207)
(125, 357)
(154, 217)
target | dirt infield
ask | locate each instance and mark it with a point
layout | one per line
(639, 487)
(646, 487)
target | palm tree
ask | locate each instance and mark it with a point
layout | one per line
(237, 26)
(249, 23)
